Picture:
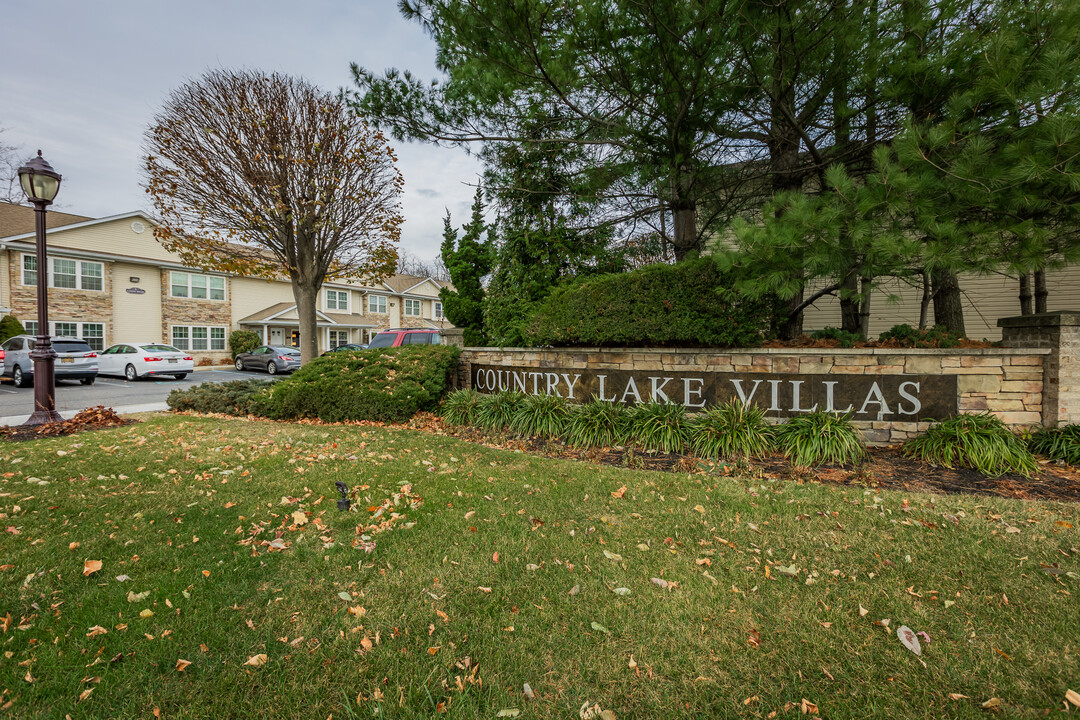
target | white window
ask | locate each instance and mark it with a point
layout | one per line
(67, 274)
(198, 337)
(91, 276)
(339, 338)
(376, 303)
(29, 271)
(337, 300)
(65, 329)
(412, 307)
(63, 273)
(437, 313)
(198, 287)
(93, 333)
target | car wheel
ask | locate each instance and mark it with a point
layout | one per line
(239, 364)
(180, 376)
(130, 374)
(19, 378)
(271, 367)
(87, 381)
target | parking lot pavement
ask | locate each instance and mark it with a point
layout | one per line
(143, 395)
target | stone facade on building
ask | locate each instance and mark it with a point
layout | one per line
(65, 305)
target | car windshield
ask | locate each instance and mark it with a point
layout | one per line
(159, 348)
(382, 340)
(70, 346)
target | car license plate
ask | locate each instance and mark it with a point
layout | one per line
(172, 360)
(67, 360)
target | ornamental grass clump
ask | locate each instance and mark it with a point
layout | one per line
(820, 438)
(496, 412)
(597, 423)
(543, 415)
(981, 442)
(733, 429)
(459, 407)
(659, 427)
(1062, 443)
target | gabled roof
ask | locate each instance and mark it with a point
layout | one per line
(403, 283)
(19, 219)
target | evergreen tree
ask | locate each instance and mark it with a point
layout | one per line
(468, 261)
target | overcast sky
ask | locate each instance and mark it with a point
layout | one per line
(82, 80)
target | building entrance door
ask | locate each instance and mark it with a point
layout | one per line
(276, 337)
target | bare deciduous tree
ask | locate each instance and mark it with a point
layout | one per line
(10, 191)
(266, 175)
(409, 264)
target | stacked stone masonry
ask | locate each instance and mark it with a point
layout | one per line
(1007, 382)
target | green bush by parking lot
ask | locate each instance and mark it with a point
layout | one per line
(385, 385)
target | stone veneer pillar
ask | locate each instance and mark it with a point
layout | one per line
(1060, 333)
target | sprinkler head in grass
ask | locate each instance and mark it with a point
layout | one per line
(343, 503)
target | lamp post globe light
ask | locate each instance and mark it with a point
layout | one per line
(40, 183)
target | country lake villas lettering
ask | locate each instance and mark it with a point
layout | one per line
(865, 397)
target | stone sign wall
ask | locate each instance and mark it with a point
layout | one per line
(892, 394)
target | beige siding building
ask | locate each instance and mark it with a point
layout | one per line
(110, 281)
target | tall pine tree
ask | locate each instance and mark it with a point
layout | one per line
(468, 261)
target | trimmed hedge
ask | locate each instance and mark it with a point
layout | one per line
(692, 303)
(236, 397)
(242, 341)
(10, 327)
(383, 385)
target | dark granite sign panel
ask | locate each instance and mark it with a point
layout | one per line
(866, 397)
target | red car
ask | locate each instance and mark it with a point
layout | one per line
(396, 337)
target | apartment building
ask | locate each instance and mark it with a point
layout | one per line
(110, 281)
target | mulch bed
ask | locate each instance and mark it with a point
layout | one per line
(886, 468)
(92, 418)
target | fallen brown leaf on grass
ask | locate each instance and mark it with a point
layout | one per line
(754, 639)
(618, 494)
(1073, 697)
(182, 664)
(257, 660)
(91, 566)
(807, 707)
(96, 630)
(958, 696)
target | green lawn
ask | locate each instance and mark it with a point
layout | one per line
(514, 569)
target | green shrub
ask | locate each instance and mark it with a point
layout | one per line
(459, 407)
(597, 423)
(496, 412)
(907, 336)
(846, 338)
(978, 441)
(543, 415)
(820, 438)
(384, 385)
(733, 429)
(242, 341)
(689, 304)
(10, 327)
(236, 397)
(1062, 443)
(659, 427)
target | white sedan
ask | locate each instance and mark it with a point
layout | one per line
(137, 360)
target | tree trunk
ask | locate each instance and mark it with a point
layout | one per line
(684, 239)
(948, 309)
(864, 307)
(924, 304)
(849, 303)
(1041, 293)
(1025, 294)
(306, 295)
(792, 325)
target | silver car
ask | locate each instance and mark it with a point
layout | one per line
(75, 360)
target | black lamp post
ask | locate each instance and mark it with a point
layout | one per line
(40, 184)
